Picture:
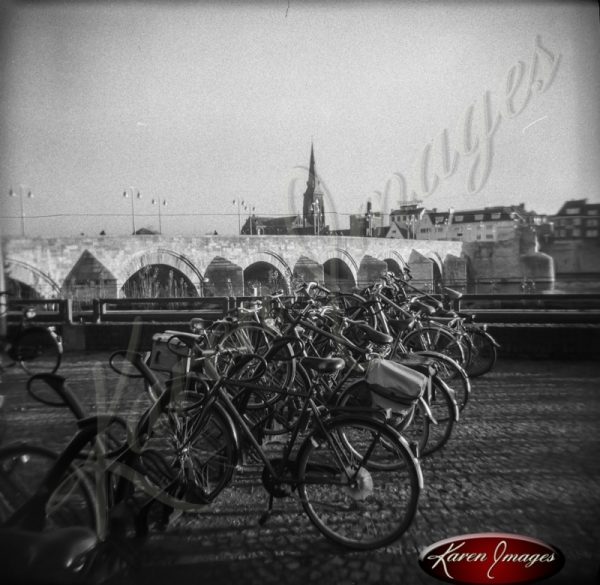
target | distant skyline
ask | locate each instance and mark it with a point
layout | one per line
(460, 104)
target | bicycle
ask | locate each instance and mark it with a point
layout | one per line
(481, 349)
(357, 478)
(34, 348)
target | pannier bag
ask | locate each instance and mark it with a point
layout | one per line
(162, 359)
(393, 385)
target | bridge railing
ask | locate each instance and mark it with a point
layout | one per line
(60, 311)
(532, 308)
(491, 308)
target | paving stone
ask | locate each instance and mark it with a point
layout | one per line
(524, 460)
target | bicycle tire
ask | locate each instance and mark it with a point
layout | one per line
(349, 501)
(435, 338)
(37, 351)
(23, 469)
(483, 355)
(445, 413)
(253, 338)
(200, 448)
(408, 421)
(453, 374)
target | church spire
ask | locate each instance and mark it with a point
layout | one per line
(313, 196)
(310, 184)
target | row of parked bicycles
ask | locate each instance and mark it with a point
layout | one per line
(335, 397)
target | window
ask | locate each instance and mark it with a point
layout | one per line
(591, 222)
(573, 211)
(576, 233)
(576, 221)
(479, 217)
(592, 212)
(562, 233)
(495, 215)
(591, 233)
(458, 218)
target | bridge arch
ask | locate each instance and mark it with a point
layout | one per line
(345, 257)
(394, 260)
(42, 283)
(433, 255)
(338, 275)
(165, 257)
(264, 277)
(269, 257)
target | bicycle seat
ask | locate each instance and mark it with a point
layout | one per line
(323, 365)
(60, 556)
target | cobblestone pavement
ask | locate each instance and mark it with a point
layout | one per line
(524, 459)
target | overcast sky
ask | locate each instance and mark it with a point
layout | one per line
(202, 103)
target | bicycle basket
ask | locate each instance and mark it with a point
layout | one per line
(393, 385)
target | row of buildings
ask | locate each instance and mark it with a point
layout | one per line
(577, 219)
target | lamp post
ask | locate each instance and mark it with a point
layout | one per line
(20, 192)
(134, 195)
(160, 204)
(251, 209)
(240, 203)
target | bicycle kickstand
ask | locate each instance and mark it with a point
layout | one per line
(268, 513)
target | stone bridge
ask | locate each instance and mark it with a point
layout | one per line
(109, 267)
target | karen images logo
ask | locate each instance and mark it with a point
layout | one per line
(491, 558)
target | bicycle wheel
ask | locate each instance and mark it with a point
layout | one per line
(445, 413)
(37, 351)
(280, 366)
(23, 468)
(199, 448)
(351, 502)
(455, 376)
(483, 353)
(410, 421)
(435, 338)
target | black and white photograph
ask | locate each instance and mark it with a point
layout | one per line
(299, 292)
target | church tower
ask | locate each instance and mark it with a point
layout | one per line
(313, 209)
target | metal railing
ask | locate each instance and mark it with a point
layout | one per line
(491, 308)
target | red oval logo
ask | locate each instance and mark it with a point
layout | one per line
(491, 558)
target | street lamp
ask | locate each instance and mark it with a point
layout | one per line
(134, 195)
(250, 209)
(246, 206)
(21, 193)
(160, 204)
(240, 203)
